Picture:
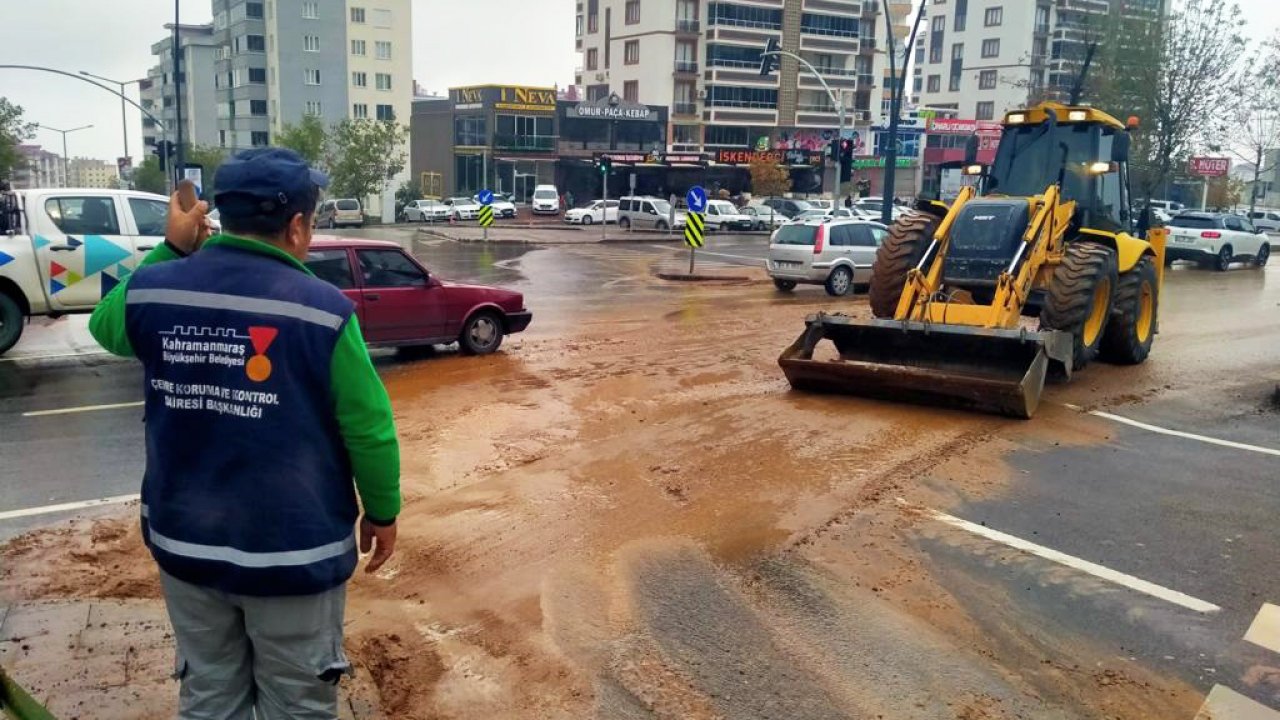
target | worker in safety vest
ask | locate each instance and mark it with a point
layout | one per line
(262, 407)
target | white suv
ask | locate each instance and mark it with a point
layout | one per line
(546, 200)
(1215, 239)
(722, 215)
(835, 253)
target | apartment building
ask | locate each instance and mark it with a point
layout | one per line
(380, 82)
(702, 57)
(195, 79)
(42, 169)
(91, 173)
(982, 58)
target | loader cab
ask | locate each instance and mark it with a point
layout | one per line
(1087, 149)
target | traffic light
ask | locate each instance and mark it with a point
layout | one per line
(164, 150)
(846, 160)
(769, 59)
(605, 164)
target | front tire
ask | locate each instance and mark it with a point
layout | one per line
(586, 220)
(784, 285)
(1080, 298)
(481, 334)
(1264, 252)
(902, 249)
(839, 282)
(625, 223)
(661, 225)
(1223, 261)
(1134, 317)
(10, 323)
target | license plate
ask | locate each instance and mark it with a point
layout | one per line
(787, 264)
(1181, 239)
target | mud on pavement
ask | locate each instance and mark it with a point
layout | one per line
(639, 520)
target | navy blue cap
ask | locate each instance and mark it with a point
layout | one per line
(267, 181)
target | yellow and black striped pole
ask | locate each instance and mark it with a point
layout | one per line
(695, 230)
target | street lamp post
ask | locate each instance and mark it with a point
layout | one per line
(837, 101)
(897, 83)
(66, 167)
(124, 118)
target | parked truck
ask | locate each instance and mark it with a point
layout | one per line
(63, 249)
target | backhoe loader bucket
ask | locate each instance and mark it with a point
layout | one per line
(1000, 371)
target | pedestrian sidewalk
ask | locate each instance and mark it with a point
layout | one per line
(110, 660)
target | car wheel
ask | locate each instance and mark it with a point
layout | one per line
(333, 224)
(661, 225)
(1223, 261)
(10, 322)
(586, 220)
(625, 223)
(784, 285)
(839, 282)
(1264, 252)
(481, 334)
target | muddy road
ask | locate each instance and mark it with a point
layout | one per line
(628, 514)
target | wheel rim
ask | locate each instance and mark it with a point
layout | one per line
(1263, 254)
(483, 331)
(1098, 313)
(1146, 312)
(840, 281)
(586, 220)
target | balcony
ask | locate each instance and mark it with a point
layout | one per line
(688, 27)
(684, 108)
(749, 24)
(532, 143)
(818, 108)
(686, 67)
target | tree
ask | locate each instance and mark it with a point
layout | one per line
(768, 179)
(13, 132)
(148, 177)
(308, 138)
(363, 156)
(1257, 126)
(408, 191)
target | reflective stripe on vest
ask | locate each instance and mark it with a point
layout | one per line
(219, 301)
(286, 558)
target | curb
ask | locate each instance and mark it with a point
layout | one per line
(685, 277)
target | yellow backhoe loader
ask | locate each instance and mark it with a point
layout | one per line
(1046, 233)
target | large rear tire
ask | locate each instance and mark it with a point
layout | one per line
(908, 239)
(1134, 316)
(10, 323)
(1080, 298)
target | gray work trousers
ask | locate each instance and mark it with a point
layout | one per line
(269, 658)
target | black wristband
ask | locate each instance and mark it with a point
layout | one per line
(175, 249)
(379, 523)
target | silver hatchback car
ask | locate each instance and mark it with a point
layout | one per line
(836, 253)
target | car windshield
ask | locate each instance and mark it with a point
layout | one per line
(347, 205)
(796, 235)
(1030, 156)
(662, 206)
(460, 201)
(1191, 221)
(811, 214)
(544, 195)
(802, 206)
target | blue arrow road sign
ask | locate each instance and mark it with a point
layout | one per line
(696, 198)
(485, 197)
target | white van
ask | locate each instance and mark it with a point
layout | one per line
(546, 200)
(1168, 206)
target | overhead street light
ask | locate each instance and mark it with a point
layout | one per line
(66, 168)
(124, 118)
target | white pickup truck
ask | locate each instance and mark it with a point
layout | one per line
(62, 250)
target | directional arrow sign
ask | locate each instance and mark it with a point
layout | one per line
(485, 197)
(696, 199)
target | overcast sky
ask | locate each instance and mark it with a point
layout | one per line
(456, 42)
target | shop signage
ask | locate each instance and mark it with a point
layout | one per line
(613, 108)
(1209, 166)
(957, 126)
(652, 158)
(777, 157)
(504, 97)
(878, 162)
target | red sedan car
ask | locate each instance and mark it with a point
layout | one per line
(401, 304)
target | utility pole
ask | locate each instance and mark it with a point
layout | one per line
(897, 83)
(180, 155)
(768, 63)
(124, 118)
(66, 165)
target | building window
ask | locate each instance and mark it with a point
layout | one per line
(525, 132)
(259, 139)
(383, 49)
(382, 18)
(987, 80)
(962, 12)
(742, 97)
(991, 48)
(993, 17)
(469, 131)
(957, 51)
(631, 54)
(360, 111)
(383, 81)
(357, 15)
(593, 58)
(258, 76)
(386, 113)
(311, 43)
(255, 43)
(1042, 19)
(311, 77)
(253, 10)
(258, 107)
(935, 83)
(631, 91)
(359, 79)
(935, 54)
(593, 23)
(939, 24)
(633, 12)
(311, 10)
(313, 107)
(985, 110)
(735, 15)
(953, 83)
(357, 47)
(818, 24)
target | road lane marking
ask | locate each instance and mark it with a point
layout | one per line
(1099, 571)
(81, 409)
(1178, 433)
(1265, 630)
(65, 507)
(716, 254)
(1223, 703)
